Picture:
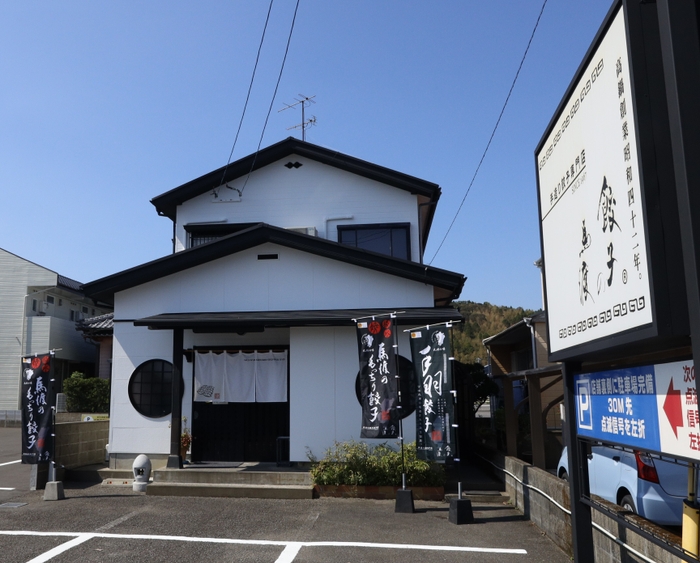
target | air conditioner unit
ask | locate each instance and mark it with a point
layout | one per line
(44, 306)
(311, 231)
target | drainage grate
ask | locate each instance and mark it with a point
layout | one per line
(12, 504)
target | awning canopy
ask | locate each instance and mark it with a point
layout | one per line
(250, 321)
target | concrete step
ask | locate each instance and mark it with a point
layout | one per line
(231, 477)
(96, 473)
(230, 490)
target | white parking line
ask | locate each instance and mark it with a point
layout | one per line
(10, 462)
(7, 488)
(61, 548)
(289, 553)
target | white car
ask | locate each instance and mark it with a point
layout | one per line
(652, 488)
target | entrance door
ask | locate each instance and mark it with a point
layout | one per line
(238, 431)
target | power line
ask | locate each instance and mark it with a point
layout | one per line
(274, 95)
(250, 87)
(493, 133)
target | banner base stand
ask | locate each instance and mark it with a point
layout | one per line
(404, 501)
(461, 511)
(54, 491)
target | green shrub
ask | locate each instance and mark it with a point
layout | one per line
(86, 394)
(357, 463)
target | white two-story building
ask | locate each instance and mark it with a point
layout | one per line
(39, 309)
(246, 329)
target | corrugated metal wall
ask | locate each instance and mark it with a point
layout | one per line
(16, 274)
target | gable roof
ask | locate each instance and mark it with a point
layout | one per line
(448, 285)
(166, 203)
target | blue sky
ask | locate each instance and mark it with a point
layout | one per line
(106, 105)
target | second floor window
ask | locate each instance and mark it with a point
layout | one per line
(391, 239)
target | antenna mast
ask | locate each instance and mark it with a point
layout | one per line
(304, 101)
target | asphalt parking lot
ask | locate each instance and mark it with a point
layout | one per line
(97, 523)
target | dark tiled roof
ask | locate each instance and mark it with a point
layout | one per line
(102, 325)
(166, 203)
(63, 281)
(449, 284)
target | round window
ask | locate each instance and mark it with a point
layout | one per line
(151, 388)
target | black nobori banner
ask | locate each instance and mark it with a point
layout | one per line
(435, 436)
(378, 379)
(38, 401)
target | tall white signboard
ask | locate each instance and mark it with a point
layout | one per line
(591, 213)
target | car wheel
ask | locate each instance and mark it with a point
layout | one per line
(564, 475)
(628, 504)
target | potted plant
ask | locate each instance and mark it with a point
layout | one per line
(185, 438)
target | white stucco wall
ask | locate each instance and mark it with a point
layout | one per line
(323, 404)
(309, 196)
(323, 365)
(297, 281)
(131, 432)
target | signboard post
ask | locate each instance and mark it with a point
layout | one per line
(614, 282)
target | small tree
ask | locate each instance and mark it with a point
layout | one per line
(483, 386)
(86, 394)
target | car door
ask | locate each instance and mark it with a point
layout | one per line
(605, 469)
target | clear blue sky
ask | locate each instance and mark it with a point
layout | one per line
(104, 105)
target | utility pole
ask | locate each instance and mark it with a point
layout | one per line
(304, 102)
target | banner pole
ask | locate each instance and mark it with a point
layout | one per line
(404, 497)
(400, 405)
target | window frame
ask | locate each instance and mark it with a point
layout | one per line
(152, 409)
(391, 227)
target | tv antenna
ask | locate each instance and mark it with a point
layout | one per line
(304, 102)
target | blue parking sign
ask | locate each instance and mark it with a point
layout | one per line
(619, 407)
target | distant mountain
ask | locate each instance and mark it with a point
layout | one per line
(481, 320)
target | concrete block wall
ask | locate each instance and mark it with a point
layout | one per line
(81, 443)
(609, 551)
(10, 419)
(546, 514)
(529, 489)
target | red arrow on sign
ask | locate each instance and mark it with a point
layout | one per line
(673, 408)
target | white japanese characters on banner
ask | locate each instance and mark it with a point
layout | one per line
(593, 235)
(38, 402)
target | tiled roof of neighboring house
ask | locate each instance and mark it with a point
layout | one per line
(516, 332)
(69, 283)
(102, 325)
(448, 284)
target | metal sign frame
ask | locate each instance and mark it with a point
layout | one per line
(645, 104)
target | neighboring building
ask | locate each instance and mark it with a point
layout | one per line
(100, 330)
(518, 360)
(276, 253)
(38, 312)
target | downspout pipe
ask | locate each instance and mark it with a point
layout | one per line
(327, 220)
